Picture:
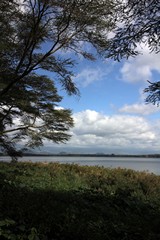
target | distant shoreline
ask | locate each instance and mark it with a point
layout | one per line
(90, 155)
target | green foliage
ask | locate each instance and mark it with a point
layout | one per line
(10, 230)
(63, 201)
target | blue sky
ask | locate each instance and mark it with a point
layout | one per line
(111, 115)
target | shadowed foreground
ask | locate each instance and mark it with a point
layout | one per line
(54, 201)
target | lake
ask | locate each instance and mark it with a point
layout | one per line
(151, 165)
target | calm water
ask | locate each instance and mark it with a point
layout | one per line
(140, 164)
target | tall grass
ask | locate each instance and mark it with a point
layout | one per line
(68, 201)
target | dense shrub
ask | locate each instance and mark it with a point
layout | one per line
(62, 201)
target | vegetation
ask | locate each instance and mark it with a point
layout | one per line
(53, 201)
(62, 201)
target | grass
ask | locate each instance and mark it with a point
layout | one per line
(67, 201)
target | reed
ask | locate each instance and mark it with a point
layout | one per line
(68, 201)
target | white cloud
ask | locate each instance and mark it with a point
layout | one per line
(22, 5)
(89, 75)
(139, 108)
(97, 131)
(58, 108)
(141, 67)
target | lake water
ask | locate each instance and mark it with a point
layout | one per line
(151, 165)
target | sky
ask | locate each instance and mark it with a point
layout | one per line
(111, 115)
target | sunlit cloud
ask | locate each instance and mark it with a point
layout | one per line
(139, 108)
(141, 67)
(90, 75)
(117, 133)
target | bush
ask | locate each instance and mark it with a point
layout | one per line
(62, 201)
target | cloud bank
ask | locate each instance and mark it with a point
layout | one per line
(139, 108)
(97, 132)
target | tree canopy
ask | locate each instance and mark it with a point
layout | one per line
(33, 35)
(138, 23)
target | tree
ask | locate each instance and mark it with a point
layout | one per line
(154, 93)
(33, 35)
(140, 24)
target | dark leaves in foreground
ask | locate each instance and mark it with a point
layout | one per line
(154, 93)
